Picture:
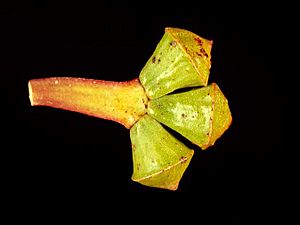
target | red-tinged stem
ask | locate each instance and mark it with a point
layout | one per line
(123, 102)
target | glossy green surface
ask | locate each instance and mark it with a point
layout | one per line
(192, 114)
(181, 59)
(159, 159)
(188, 113)
(222, 118)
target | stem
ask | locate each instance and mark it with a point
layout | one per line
(123, 102)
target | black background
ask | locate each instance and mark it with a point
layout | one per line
(60, 157)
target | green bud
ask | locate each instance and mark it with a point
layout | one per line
(181, 59)
(201, 115)
(159, 159)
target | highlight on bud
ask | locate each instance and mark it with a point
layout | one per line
(201, 115)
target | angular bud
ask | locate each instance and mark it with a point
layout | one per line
(159, 159)
(181, 59)
(201, 115)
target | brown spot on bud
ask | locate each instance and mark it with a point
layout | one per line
(199, 41)
(203, 52)
(153, 59)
